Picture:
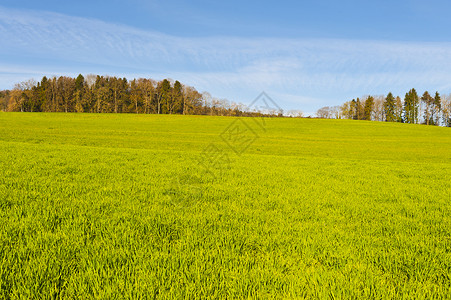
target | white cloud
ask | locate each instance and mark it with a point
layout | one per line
(309, 72)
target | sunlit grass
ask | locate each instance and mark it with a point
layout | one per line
(112, 206)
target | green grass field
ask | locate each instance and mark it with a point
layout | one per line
(129, 206)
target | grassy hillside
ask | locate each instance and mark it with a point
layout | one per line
(192, 206)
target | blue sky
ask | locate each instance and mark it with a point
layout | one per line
(305, 54)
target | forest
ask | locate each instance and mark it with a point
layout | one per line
(107, 94)
(413, 109)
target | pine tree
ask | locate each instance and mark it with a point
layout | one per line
(177, 98)
(436, 108)
(368, 109)
(164, 91)
(389, 108)
(79, 82)
(357, 109)
(79, 93)
(428, 103)
(411, 102)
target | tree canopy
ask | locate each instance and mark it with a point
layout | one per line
(106, 94)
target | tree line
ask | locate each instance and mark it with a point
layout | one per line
(427, 109)
(107, 94)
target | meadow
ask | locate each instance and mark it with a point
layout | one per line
(131, 206)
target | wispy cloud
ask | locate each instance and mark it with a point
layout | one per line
(303, 73)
